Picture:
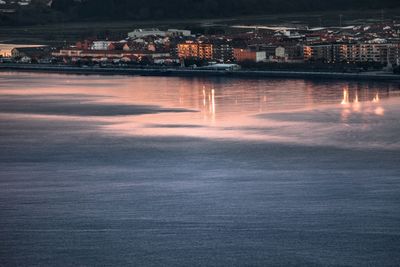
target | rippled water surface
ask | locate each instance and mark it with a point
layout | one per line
(153, 171)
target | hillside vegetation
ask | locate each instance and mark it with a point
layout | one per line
(82, 10)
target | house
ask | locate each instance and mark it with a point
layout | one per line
(280, 52)
(117, 46)
(101, 45)
(84, 45)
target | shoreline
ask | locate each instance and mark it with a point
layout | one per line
(368, 76)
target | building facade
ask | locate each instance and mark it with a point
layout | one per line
(195, 50)
(382, 53)
(223, 52)
(322, 52)
(249, 55)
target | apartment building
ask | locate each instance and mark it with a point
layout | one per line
(191, 49)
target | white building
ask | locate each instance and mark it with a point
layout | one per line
(280, 52)
(221, 66)
(101, 45)
(176, 32)
(261, 56)
(139, 33)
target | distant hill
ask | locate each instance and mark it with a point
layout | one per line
(44, 11)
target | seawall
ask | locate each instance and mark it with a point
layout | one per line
(372, 76)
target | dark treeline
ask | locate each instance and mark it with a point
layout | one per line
(77, 10)
(160, 9)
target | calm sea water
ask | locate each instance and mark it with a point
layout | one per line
(152, 171)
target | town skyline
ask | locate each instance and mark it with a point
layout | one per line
(360, 48)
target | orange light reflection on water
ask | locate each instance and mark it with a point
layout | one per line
(217, 108)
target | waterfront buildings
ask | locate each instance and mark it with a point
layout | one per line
(375, 44)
